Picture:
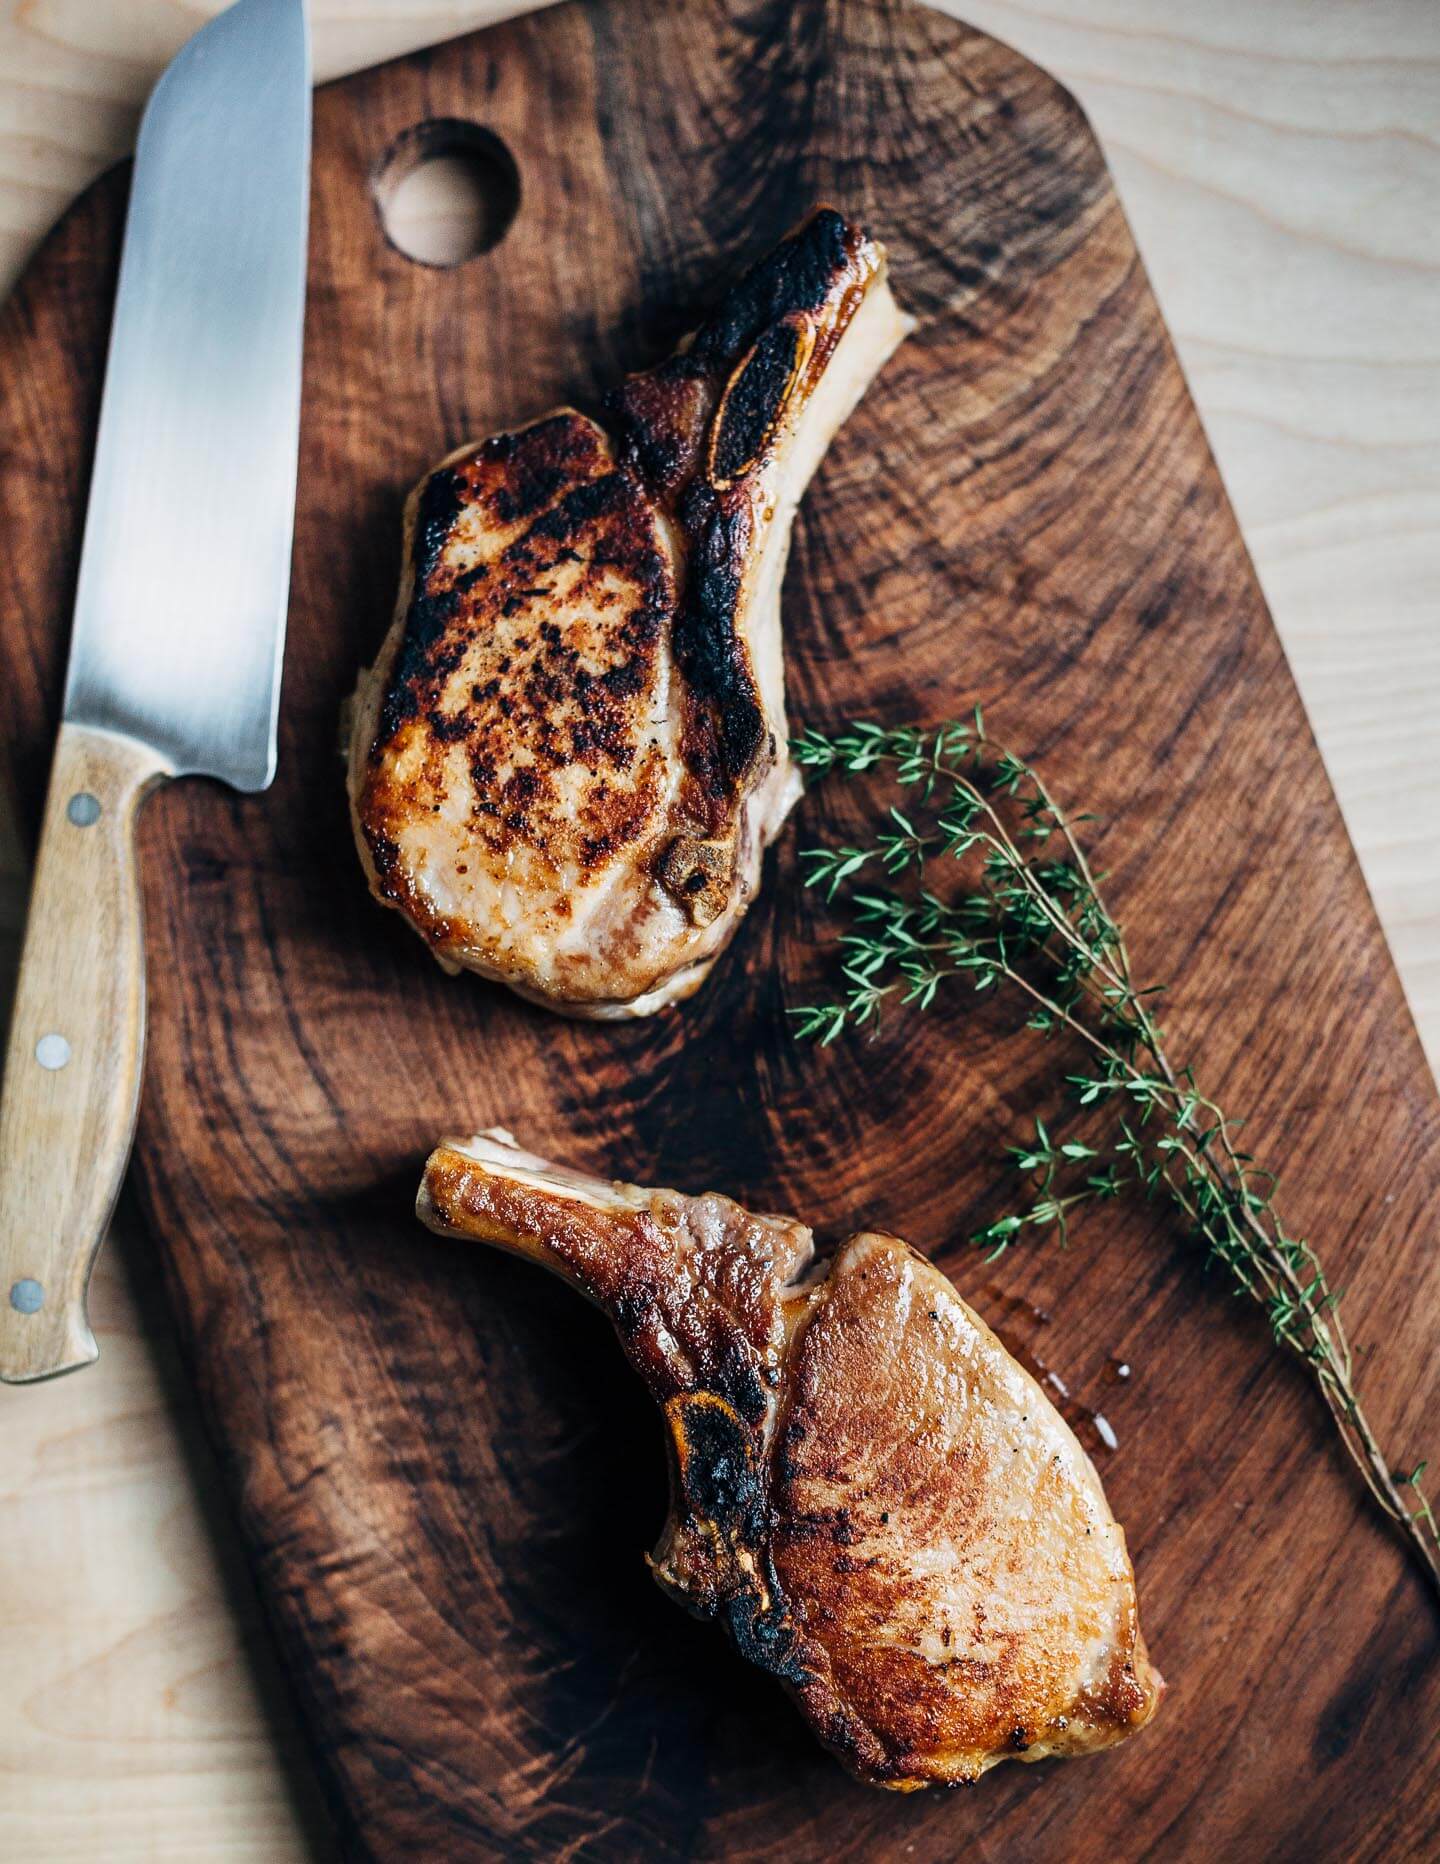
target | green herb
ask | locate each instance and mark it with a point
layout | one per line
(982, 877)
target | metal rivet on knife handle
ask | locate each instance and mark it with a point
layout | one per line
(52, 1051)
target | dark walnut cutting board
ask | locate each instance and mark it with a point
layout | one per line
(443, 1472)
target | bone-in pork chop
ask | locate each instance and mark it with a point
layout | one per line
(884, 1509)
(570, 755)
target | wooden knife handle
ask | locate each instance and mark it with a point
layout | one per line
(77, 1042)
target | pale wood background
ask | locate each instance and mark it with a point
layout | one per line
(1281, 165)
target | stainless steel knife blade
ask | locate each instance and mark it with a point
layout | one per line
(180, 612)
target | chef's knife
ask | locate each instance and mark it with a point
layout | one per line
(179, 626)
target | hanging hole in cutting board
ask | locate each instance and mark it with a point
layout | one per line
(446, 190)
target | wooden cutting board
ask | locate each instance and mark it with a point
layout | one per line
(442, 1471)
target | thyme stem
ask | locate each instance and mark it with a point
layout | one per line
(1004, 908)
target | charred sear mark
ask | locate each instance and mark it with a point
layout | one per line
(718, 1474)
(727, 1568)
(440, 505)
(798, 276)
(542, 599)
(707, 648)
(422, 656)
(766, 1637)
(385, 854)
(557, 447)
(660, 419)
(606, 497)
(770, 332)
(754, 402)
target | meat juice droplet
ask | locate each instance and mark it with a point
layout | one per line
(1116, 1371)
(1094, 1431)
(1092, 1428)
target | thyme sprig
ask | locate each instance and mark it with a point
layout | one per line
(982, 877)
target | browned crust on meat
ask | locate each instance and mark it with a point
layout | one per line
(706, 1341)
(889, 1709)
(625, 1261)
(559, 762)
(696, 430)
(554, 700)
(713, 1556)
(710, 1358)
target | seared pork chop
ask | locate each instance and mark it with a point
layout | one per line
(570, 755)
(882, 1506)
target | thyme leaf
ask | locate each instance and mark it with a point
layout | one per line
(977, 877)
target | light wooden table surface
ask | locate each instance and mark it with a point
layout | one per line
(1281, 165)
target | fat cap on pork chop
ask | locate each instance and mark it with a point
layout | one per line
(881, 1505)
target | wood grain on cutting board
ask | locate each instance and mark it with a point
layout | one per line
(824, 604)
